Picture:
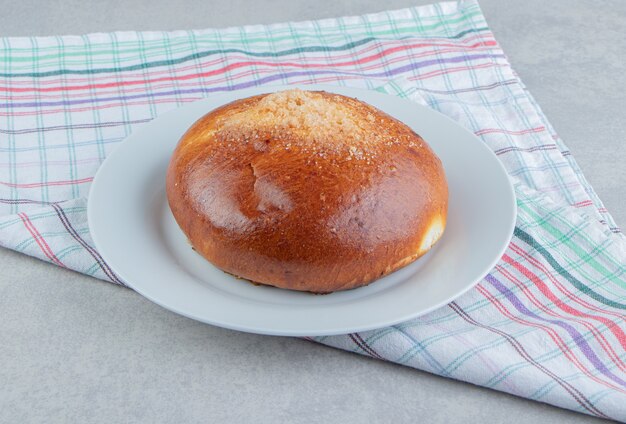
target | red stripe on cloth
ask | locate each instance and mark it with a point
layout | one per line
(604, 343)
(174, 83)
(519, 348)
(486, 39)
(243, 64)
(503, 131)
(50, 183)
(583, 204)
(540, 266)
(195, 98)
(559, 342)
(43, 245)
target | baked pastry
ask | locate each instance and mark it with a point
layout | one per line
(306, 190)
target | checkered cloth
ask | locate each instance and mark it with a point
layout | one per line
(547, 323)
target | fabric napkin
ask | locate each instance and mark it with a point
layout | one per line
(547, 323)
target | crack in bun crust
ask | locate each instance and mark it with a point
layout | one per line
(305, 190)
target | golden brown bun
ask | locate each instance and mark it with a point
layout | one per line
(307, 191)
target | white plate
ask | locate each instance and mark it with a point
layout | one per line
(135, 232)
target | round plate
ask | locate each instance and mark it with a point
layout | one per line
(135, 232)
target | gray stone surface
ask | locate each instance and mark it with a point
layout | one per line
(73, 349)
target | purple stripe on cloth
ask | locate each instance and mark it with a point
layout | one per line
(573, 391)
(260, 81)
(578, 338)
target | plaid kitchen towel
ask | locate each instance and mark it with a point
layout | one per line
(547, 323)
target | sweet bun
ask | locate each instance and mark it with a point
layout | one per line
(306, 190)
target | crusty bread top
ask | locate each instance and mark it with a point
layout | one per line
(313, 123)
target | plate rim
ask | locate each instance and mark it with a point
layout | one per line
(226, 97)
